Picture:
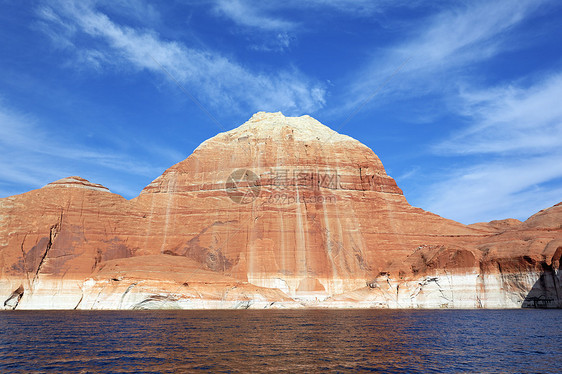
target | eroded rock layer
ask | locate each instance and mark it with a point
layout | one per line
(279, 212)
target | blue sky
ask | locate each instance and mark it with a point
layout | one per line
(465, 110)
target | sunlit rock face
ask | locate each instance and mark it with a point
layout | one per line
(320, 215)
(279, 212)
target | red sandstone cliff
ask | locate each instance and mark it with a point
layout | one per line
(280, 212)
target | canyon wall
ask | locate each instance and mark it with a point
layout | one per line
(281, 212)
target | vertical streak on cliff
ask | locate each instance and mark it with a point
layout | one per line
(300, 236)
(250, 242)
(398, 238)
(356, 232)
(328, 210)
(329, 249)
(281, 214)
(254, 264)
(282, 247)
(252, 258)
(149, 225)
(341, 242)
(171, 193)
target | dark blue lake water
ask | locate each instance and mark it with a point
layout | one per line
(275, 341)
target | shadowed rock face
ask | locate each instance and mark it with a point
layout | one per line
(279, 212)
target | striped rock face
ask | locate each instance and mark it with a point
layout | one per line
(281, 211)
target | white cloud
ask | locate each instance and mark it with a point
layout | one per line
(440, 48)
(511, 188)
(520, 132)
(517, 129)
(268, 27)
(511, 120)
(265, 14)
(412, 172)
(252, 15)
(219, 81)
(139, 10)
(258, 22)
(33, 156)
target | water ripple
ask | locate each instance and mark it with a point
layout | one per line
(291, 341)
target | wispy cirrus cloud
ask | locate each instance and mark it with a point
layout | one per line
(519, 131)
(259, 23)
(441, 47)
(265, 14)
(254, 15)
(512, 134)
(268, 27)
(215, 79)
(134, 9)
(507, 188)
(510, 120)
(32, 156)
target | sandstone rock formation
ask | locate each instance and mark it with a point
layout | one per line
(279, 212)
